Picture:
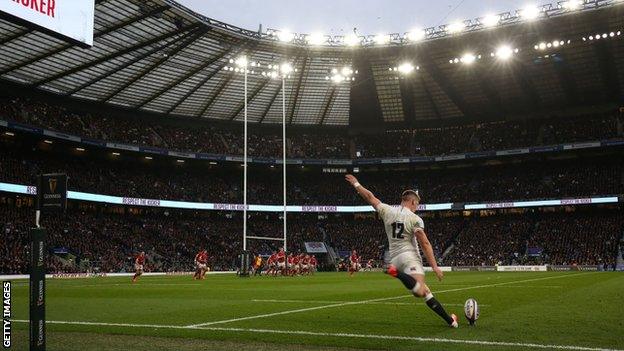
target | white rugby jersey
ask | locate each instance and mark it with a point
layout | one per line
(400, 224)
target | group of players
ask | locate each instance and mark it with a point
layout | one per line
(286, 265)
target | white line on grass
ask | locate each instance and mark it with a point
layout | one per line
(372, 303)
(342, 335)
(342, 304)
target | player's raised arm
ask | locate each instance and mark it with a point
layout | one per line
(366, 194)
(428, 252)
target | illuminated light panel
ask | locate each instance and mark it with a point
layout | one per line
(406, 68)
(285, 36)
(351, 40)
(530, 13)
(490, 20)
(241, 61)
(505, 52)
(456, 27)
(316, 39)
(572, 5)
(381, 39)
(286, 68)
(415, 35)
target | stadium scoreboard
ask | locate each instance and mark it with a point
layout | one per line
(68, 19)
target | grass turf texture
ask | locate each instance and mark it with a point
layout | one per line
(571, 309)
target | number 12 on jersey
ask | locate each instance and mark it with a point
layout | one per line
(398, 228)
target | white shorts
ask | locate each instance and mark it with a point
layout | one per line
(281, 265)
(408, 262)
(138, 267)
(304, 266)
(201, 266)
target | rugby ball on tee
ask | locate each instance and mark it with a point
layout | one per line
(471, 311)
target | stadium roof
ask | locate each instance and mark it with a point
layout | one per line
(159, 56)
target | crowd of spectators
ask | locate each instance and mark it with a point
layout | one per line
(200, 136)
(528, 180)
(100, 240)
(564, 238)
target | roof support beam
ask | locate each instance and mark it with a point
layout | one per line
(186, 76)
(483, 77)
(446, 86)
(182, 46)
(291, 110)
(250, 97)
(567, 81)
(430, 98)
(201, 83)
(95, 36)
(608, 70)
(15, 36)
(519, 73)
(112, 56)
(216, 94)
(328, 104)
(273, 98)
(138, 58)
(406, 88)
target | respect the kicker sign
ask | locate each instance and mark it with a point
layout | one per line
(72, 19)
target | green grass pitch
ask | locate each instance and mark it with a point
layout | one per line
(329, 311)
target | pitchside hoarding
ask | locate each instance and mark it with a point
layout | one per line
(70, 19)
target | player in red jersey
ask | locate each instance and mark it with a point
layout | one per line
(369, 265)
(139, 261)
(313, 264)
(354, 261)
(296, 268)
(201, 264)
(272, 264)
(305, 264)
(281, 261)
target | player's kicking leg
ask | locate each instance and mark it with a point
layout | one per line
(415, 282)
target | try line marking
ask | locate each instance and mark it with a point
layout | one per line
(342, 304)
(344, 335)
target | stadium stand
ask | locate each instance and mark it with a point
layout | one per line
(206, 138)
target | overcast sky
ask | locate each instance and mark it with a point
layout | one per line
(337, 16)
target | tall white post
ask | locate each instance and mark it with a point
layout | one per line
(245, 167)
(284, 150)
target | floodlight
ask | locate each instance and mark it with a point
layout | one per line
(468, 58)
(455, 27)
(285, 36)
(406, 68)
(504, 52)
(572, 5)
(415, 35)
(351, 39)
(241, 61)
(530, 13)
(316, 39)
(490, 20)
(381, 39)
(286, 68)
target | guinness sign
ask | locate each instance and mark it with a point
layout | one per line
(52, 193)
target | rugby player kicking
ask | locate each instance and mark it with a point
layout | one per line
(405, 231)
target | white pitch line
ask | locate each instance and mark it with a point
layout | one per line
(342, 335)
(372, 303)
(342, 304)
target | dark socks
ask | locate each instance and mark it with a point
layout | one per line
(437, 308)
